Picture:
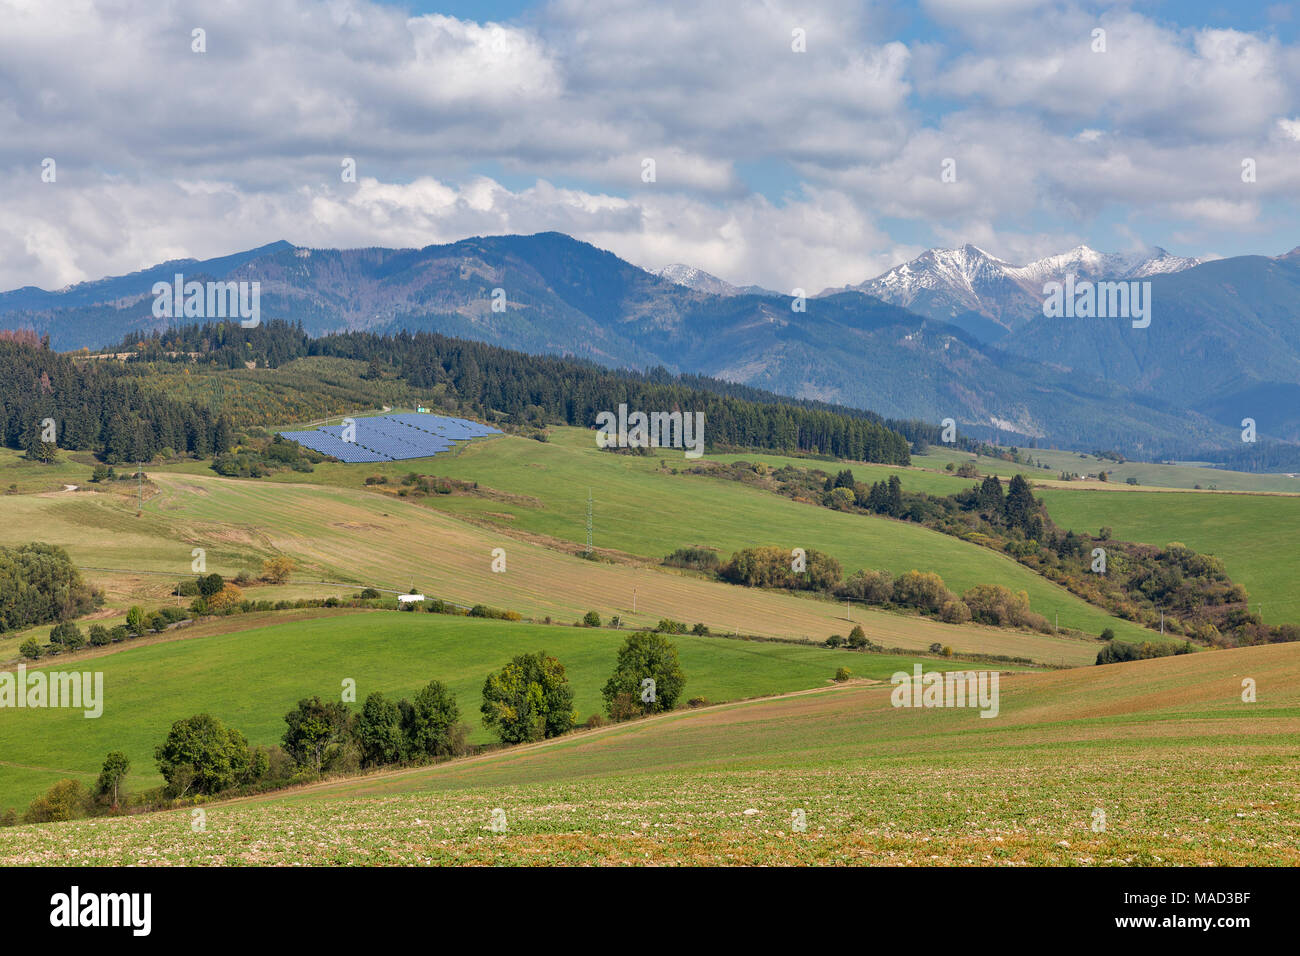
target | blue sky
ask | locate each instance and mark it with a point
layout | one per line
(773, 165)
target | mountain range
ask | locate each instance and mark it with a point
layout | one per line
(988, 296)
(1224, 342)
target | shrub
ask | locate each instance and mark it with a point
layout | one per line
(67, 634)
(277, 570)
(698, 702)
(99, 635)
(227, 599)
(698, 559)
(834, 641)
(924, 590)
(842, 674)
(596, 720)
(30, 649)
(701, 629)
(871, 587)
(591, 619)
(119, 633)
(997, 605)
(369, 594)
(66, 800)
(955, 612)
(669, 626)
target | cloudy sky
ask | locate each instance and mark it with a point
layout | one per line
(773, 165)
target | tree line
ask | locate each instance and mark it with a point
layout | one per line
(528, 699)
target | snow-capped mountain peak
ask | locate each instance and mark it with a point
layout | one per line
(988, 296)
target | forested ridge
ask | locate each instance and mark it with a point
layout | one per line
(100, 404)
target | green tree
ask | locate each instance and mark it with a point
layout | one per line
(378, 731)
(135, 623)
(528, 699)
(116, 765)
(202, 755)
(646, 656)
(30, 649)
(591, 619)
(99, 635)
(429, 724)
(316, 732)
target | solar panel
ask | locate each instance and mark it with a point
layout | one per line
(392, 437)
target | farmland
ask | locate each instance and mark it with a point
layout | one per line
(1184, 772)
(250, 678)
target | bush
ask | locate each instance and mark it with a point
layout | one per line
(119, 633)
(596, 720)
(99, 635)
(842, 674)
(697, 559)
(669, 626)
(369, 594)
(277, 570)
(924, 590)
(701, 629)
(955, 612)
(68, 635)
(997, 605)
(698, 702)
(591, 619)
(30, 649)
(835, 641)
(66, 800)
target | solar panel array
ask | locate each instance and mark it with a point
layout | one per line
(392, 437)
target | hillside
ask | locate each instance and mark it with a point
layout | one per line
(1162, 755)
(241, 677)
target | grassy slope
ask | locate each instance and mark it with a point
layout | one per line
(1184, 476)
(251, 678)
(642, 509)
(1255, 535)
(1185, 772)
(342, 534)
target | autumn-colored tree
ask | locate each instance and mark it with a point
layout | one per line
(277, 570)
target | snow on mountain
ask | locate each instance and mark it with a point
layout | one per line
(988, 296)
(701, 281)
(696, 279)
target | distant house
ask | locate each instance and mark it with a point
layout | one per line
(422, 410)
(409, 598)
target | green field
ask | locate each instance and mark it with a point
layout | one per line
(1255, 535)
(250, 679)
(1185, 773)
(1150, 474)
(641, 508)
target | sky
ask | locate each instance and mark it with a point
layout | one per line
(793, 145)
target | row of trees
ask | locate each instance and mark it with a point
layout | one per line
(528, 699)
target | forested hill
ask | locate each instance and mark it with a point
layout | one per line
(95, 405)
(99, 404)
